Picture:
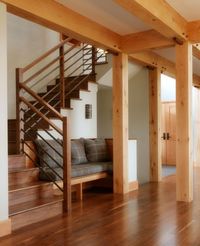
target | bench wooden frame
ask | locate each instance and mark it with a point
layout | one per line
(76, 183)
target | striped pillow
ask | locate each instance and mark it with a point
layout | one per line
(78, 152)
(96, 150)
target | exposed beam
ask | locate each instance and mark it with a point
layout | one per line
(144, 40)
(62, 19)
(159, 15)
(151, 59)
(194, 31)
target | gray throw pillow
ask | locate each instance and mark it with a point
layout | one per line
(50, 152)
(78, 155)
(96, 150)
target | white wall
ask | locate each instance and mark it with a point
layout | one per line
(139, 120)
(168, 88)
(104, 112)
(3, 117)
(26, 42)
(132, 160)
(138, 116)
(79, 126)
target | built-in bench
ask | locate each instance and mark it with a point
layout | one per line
(91, 160)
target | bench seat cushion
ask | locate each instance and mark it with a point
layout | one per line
(78, 170)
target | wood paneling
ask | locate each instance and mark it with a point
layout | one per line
(120, 123)
(155, 125)
(184, 170)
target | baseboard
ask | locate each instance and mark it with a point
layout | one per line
(133, 185)
(5, 227)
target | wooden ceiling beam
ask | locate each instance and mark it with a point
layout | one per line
(153, 60)
(194, 31)
(159, 15)
(54, 15)
(140, 41)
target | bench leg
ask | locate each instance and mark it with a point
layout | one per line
(79, 192)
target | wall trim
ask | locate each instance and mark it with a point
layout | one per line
(133, 185)
(5, 227)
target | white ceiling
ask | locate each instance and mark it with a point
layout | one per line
(115, 18)
(189, 9)
(108, 14)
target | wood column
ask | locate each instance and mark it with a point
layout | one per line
(184, 172)
(155, 125)
(120, 123)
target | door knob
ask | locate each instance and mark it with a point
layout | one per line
(164, 136)
(168, 136)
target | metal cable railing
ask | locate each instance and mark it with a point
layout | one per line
(60, 71)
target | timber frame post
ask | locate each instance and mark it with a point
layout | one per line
(155, 124)
(184, 164)
(120, 123)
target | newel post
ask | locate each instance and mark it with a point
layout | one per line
(66, 166)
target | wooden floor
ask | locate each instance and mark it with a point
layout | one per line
(148, 217)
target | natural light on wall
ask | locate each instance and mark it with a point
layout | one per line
(168, 88)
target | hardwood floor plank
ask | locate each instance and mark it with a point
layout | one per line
(150, 216)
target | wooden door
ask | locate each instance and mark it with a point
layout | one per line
(168, 124)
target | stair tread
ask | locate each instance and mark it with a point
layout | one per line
(13, 188)
(30, 205)
(22, 169)
(16, 155)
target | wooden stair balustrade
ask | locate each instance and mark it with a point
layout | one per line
(41, 94)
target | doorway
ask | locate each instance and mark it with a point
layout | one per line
(168, 125)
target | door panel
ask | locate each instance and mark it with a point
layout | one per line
(168, 126)
(163, 130)
(171, 129)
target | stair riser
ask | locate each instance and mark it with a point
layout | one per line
(12, 135)
(12, 148)
(17, 178)
(36, 215)
(16, 161)
(30, 194)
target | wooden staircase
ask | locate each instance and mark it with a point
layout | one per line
(30, 200)
(12, 137)
(52, 91)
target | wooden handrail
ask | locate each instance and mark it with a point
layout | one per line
(42, 101)
(54, 69)
(36, 61)
(41, 115)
